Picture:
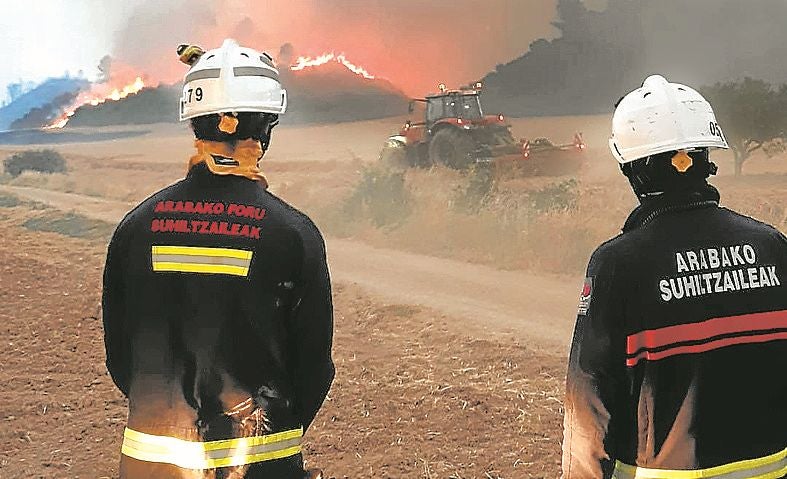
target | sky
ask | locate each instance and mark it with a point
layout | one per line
(56, 37)
(413, 43)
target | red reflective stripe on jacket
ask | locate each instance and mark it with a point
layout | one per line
(701, 348)
(747, 328)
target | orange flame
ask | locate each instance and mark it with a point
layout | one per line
(309, 62)
(94, 98)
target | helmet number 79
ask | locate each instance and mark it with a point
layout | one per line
(195, 93)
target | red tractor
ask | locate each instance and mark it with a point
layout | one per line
(455, 132)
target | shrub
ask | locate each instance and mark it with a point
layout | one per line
(381, 196)
(479, 187)
(7, 201)
(70, 224)
(44, 161)
(556, 197)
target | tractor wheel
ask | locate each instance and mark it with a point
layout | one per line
(452, 148)
(420, 156)
(395, 157)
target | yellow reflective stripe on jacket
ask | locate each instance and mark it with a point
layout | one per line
(194, 259)
(769, 467)
(212, 454)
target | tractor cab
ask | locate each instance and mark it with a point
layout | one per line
(464, 104)
(450, 106)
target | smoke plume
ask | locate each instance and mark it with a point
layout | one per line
(599, 56)
(415, 44)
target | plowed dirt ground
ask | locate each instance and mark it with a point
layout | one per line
(415, 395)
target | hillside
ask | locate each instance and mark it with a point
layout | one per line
(329, 93)
(599, 56)
(33, 108)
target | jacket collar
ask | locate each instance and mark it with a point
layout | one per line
(651, 208)
(198, 171)
(202, 173)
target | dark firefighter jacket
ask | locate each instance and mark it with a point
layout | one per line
(680, 349)
(217, 319)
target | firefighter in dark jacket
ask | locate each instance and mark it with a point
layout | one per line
(677, 367)
(217, 301)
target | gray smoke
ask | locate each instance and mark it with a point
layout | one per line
(599, 56)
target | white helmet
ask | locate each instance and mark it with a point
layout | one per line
(660, 117)
(232, 79)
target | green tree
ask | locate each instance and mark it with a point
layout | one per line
(752, 114)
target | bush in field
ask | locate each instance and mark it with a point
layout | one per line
(482, 193)
(44, 161)
(557, 197)
(70, 224)
(7, 201)
(480, 185)
(381, 196)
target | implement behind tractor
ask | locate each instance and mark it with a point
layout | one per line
(455, 132)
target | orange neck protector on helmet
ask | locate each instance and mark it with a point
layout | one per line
(225, 159)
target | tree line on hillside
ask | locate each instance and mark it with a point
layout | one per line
(598, 56)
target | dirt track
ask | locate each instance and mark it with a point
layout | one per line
(538, 309)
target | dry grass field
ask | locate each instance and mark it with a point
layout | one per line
(431, 382)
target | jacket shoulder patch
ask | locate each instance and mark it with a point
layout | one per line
(585, 296)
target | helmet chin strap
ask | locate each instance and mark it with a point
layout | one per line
(652, 194)
(640, 183)
(265, 137)
(640, 179)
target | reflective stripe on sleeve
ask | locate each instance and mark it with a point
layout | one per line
(193, 259)
(773, 466)
(715, 333)
(212, 454)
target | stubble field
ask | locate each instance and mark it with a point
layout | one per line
(454, 307)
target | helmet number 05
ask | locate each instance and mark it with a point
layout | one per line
(196, 94)
(715, 130)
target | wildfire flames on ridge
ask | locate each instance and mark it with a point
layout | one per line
(308, 62)
(98, 94)
(96, 97)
